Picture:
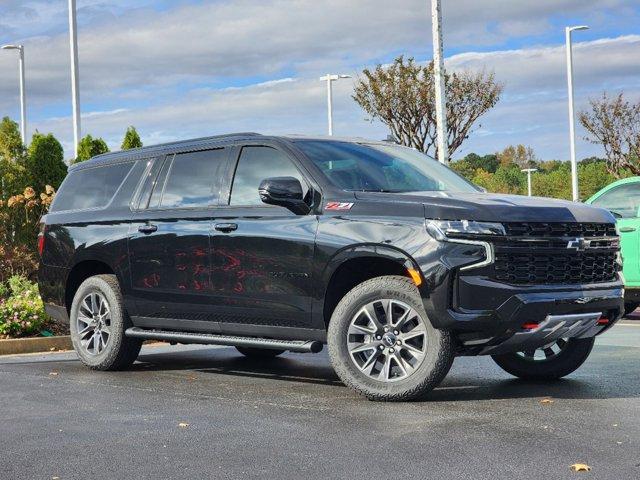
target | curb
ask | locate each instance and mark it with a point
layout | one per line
(15, 346)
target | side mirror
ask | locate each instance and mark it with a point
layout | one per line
(284, 192)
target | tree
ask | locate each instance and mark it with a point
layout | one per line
(11, 147)
(402, 97)
(11, 159)
(522, 156)
(615, 124)
(45, 162)
(131, 139)
(89, 147)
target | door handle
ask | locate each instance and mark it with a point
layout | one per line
(146, 229)
(226, 227)
(627, 229)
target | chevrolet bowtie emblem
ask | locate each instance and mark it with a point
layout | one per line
(579, 244)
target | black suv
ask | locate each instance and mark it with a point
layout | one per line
(274, 244)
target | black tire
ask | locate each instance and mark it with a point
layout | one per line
(119, 351)
(567, 361)
(254, 352)
(630, 307)
(438, 346)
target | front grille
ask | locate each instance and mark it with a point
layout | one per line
(552, 267)
(539, 253)
(561, 229)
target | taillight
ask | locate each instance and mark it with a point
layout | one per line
(41, 238)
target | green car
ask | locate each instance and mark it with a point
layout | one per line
(622, 198)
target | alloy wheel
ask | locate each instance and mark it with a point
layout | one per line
(546, 352)
(387, 340)
(94, 323)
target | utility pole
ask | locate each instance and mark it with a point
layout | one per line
(572, 132)
(529, 171)
(23, 95)
(330, 79)
(75, 88)
(438, 72)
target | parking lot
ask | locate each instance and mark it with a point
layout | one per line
(203, 412)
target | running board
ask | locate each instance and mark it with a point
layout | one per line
(303, 346)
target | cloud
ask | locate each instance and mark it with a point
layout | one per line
(533, 110)
(177, 69)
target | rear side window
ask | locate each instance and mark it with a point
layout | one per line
(90, 187)
(190, 180)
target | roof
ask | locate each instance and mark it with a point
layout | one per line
(197, 144)
(163, 148)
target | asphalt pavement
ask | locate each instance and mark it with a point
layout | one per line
(203, 412)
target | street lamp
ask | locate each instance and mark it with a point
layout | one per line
(572, 133)
(529, 171)
(75, 89)
(438, 77)
(330, 79)
(23, 100)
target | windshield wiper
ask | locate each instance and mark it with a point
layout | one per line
(381, 190)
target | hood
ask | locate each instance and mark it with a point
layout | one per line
(491, 207)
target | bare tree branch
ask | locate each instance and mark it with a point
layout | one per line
(402, 97)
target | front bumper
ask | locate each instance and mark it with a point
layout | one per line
(488, 316)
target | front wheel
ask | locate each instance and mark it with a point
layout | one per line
(382, 344)
(549, 362)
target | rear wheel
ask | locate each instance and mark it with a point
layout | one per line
(98, 322)
(382, 344)
(253, 352)
(549, 362)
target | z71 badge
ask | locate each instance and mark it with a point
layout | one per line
(338, 206)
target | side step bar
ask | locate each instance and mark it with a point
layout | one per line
(303, 346)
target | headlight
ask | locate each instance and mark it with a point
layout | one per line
(444, 229)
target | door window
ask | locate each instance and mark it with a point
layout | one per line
(190, 180)
(623, 201)
(255, 165)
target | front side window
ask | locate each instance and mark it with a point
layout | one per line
(192, 180)
(90, 187)
(255, 165)
(381, 168)
(622, 201)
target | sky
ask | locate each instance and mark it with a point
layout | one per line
(187, 68)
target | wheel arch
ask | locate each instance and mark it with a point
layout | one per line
(352, 266)
(82, 270)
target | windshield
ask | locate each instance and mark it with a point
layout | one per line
(381, 168)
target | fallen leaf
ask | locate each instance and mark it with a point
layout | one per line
(183, 425)
(546, 400)
(52, 349)
(580, 467)
(53, 374)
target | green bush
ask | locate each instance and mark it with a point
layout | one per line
(21, 309)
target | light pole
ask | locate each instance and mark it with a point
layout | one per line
(75, 89)
(529, 171)
(23, 97)
(330, 79)
(572, 133)
(438, 73)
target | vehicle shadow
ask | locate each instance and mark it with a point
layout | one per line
(611, 373)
